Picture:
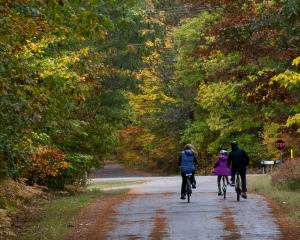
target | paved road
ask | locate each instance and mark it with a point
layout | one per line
(115, 170)
(156, 212)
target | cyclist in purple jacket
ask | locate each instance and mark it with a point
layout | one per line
(221, 169)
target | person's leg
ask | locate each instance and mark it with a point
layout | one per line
(193, 180)
(227, 180)
(233, 171)
(219, 185)
(244, 182)
(183, 184)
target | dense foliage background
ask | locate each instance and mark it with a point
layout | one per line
(84, 81)
(66, 70)
(229, 70)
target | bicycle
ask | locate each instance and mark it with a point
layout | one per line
(238, 184)
(224, 186)
(188, 186)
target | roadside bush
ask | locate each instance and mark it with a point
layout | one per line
(15, 154)
(52, 168)
(288, 174)
(47, 165)
(79, 165)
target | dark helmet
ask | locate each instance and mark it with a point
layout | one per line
(234, 144)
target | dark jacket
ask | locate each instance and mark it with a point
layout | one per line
(187, 161)
(238, 159)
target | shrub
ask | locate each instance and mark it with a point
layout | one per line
(47, 163)
(79, 165)
(288, 174)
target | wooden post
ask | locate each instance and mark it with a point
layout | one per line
(281, 156)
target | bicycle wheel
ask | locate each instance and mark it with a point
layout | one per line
(189, 189)
(224, 188)
(238, 187)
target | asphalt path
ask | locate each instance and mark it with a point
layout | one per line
(115, 170)
(157, 212)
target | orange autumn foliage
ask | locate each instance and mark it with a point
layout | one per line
(48, 161)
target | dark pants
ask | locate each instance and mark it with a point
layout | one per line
(242, 173)
(219, 182)
(183, 184)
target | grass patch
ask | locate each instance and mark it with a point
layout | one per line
(102, 185)
(287, 197)
(52, 222)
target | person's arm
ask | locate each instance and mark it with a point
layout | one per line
(195, 161)
(246, 157)
(179, 161)
(229, 160)
(216, 164)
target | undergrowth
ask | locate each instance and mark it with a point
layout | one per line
(14, 195)
(282, 186)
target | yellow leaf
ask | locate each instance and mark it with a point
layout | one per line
(296, 61)
(84, 51)
(149, 43)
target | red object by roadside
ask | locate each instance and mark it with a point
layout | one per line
(280, 144)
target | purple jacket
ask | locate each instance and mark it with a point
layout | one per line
(220, 168)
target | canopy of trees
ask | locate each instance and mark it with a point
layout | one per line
(66, 68)
(84, 80)
(229, 70)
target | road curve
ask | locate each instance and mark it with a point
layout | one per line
(156, 212)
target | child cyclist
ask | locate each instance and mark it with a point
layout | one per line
(221, 169)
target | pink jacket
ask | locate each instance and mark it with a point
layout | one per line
(220, 168)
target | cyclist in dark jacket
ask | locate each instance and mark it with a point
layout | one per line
(187, 164)
(238, 160)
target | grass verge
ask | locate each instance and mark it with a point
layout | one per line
(287, 198)
(56, 216)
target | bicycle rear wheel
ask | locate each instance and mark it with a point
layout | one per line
(189, 189)
(238, 187)
(224, 188)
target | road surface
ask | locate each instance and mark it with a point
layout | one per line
(156, 212)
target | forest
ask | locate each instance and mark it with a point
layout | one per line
(82, 82)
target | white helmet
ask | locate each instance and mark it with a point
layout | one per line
(223, 152)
